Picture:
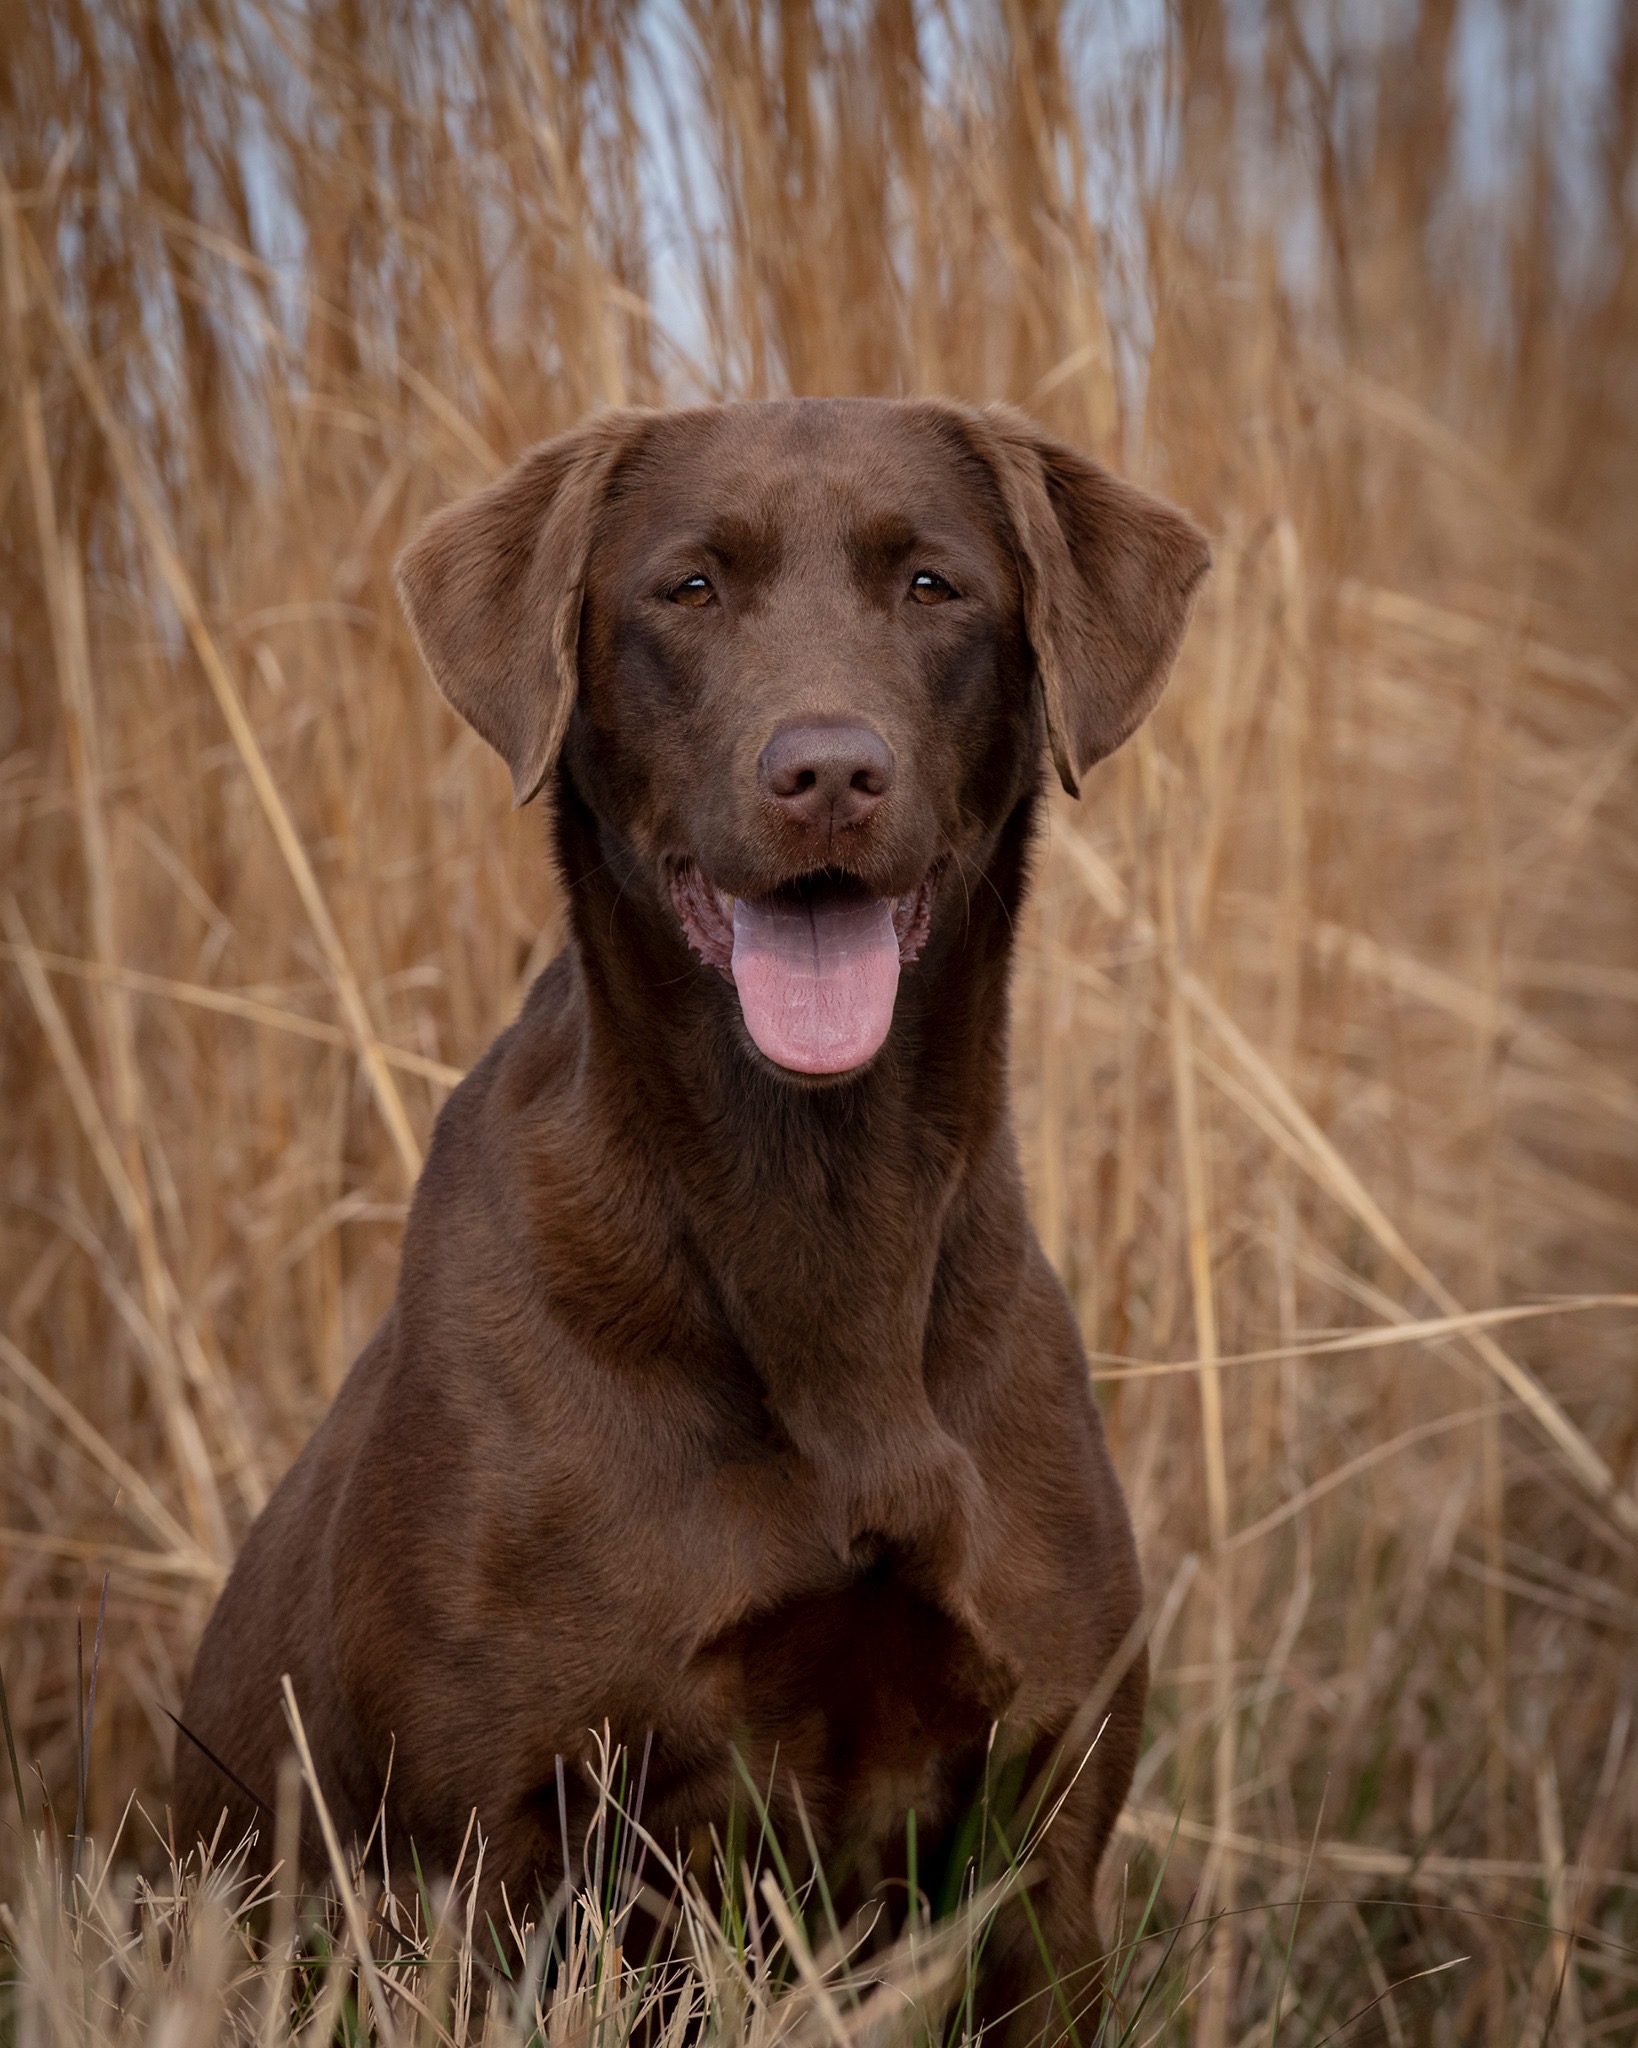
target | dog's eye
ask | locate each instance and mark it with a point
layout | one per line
(926, 588)
(692, 591)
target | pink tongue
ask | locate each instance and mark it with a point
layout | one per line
(816, 986)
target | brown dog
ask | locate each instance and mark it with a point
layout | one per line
(728, 1398)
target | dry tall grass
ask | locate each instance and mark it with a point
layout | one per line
(1328, 1004)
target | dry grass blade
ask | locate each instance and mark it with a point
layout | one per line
(179, 587)
(193, 1458)
(1432, 1869)
(796, 1946)
(1423, 1330)
(1320, 1155)
(1298, 1134)
(1218, 1883)
(178, 1564)
(143, 1500)
(226, 1003)
(65, 598)
(1378, 1454)
(350, 1902)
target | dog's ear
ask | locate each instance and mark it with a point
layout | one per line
(1109, 576)
(492, 590)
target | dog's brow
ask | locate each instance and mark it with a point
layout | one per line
(882, 540)
(749, 545)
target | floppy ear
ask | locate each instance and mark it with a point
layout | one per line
(492, 590)
(1109, 577)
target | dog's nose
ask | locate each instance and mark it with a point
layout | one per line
(826, 776)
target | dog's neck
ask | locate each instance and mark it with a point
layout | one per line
(833, 1320)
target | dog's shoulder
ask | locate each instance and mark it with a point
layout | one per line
(478, 1128)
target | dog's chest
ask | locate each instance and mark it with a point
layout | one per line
(865, 1695)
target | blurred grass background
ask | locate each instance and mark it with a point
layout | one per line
(1327, 1004)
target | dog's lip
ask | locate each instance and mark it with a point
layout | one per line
(706, 911)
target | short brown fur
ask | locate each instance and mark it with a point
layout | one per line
(719, 1405)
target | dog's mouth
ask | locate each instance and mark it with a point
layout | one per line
(815, 963)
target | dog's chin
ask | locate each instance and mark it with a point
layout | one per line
(815, 963)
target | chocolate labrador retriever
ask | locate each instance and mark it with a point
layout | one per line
(728, 1398)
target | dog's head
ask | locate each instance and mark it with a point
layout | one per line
(799, 656)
